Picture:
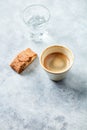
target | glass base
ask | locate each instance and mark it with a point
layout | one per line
(37, 37)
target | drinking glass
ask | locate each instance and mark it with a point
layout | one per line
(36, 17)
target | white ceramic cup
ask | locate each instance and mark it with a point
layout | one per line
(56, 76)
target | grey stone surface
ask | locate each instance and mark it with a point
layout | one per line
(31, 101)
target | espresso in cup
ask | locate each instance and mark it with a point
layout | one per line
(56, 61)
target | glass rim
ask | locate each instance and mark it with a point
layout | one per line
(34, 5)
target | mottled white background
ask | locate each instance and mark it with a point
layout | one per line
(31, 101)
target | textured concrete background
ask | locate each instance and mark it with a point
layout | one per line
(31, 101)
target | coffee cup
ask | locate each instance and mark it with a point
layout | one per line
(57, 60)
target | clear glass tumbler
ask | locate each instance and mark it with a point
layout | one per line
(36, 18)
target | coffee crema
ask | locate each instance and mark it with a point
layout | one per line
(56, 62)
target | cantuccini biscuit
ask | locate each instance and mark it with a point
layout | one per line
(22, 60)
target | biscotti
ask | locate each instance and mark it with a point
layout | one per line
(22, 60)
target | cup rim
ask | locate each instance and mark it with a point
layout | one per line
(33, 5)
(67, 69)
